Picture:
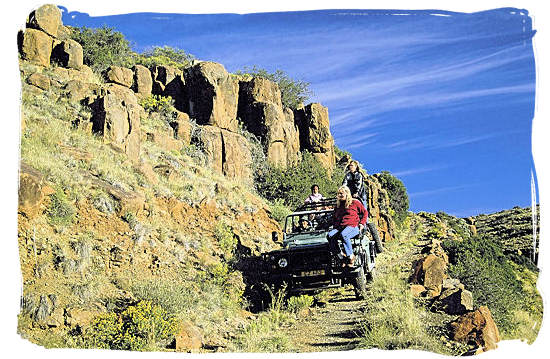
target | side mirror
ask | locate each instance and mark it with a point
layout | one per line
(274, 236)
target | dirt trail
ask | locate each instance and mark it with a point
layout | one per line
(336, 326)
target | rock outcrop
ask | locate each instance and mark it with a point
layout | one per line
(261, 111)
(68, 53)
(212, 95)
(169, 81)
(32, 191)
(120, 75)
(378, 207)
(116, 116)
(143, 80)
(46, 18)
(315, 137)
(227, 152)
(36, 47)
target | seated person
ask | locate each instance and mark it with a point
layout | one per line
(304, 225)
(349, 218)
(315, 196)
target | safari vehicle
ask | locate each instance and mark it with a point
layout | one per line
(306, 262)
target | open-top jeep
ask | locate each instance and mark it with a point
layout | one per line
(306, 261)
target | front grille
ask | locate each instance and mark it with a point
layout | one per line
(307, 259)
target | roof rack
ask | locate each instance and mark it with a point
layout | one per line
(329, 203)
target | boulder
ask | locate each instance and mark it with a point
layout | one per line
(39, 80)
(63, 33)
(32, 191)
(314, 128)
(226, 152)
(212, 95)
(417, 290)
(164, 138)
(80, 317)
(188, 337)
(116, 116)
(169, 81)
(133, 201)
(120, 75)
(182, 128)
(69, 53)
(378, 206)
(261, 111)
(36, 47)
(77, 90)
(143, 82)
(46, 18)
(477, 328)
(430, 271)
(455, 301)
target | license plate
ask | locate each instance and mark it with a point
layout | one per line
(312, 273)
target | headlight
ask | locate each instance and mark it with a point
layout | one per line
(283, 262)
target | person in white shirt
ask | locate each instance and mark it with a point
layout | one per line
(315, 196)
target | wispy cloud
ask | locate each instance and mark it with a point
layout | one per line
(414, 171)
(437, 191)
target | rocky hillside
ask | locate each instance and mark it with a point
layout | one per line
(124, 203)
(513, 229)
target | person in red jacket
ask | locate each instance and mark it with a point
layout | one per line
(349, 219)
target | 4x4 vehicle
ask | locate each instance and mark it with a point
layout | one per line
(306, 262)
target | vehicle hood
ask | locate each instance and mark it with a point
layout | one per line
(305, 239)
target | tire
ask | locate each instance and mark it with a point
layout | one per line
(377, 241)
(370, 275)
(359, 282)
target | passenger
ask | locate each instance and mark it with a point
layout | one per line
(315, 196)
(304, 225)
(355, 182)
(349, 219)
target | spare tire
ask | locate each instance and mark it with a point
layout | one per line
(377, 241)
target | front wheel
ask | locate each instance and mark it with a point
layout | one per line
(359, 282)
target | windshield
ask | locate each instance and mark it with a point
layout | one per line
(304, 222)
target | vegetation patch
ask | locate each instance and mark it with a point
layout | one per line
(480, 263)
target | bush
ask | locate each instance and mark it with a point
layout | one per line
(279, 211)
(104, 47)
(165, 56)
(157, 103)
(481, 265)
(293, 92)
(296, 304)
(226, 239)
(139, 327)
(399, 199)
(292, 185)
(60, 211)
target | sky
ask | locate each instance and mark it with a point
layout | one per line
(442, 100)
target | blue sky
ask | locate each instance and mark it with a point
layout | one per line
(442, 100)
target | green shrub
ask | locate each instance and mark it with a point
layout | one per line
(293, 185)
(103, 47)
(60, 210)
(293, 92)
(165, 56)
(296, 304)
(226, 239)
(481, 265)
(399, 199)
(157, 103)
(138, 327)
(279, 211)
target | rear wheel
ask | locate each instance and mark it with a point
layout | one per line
(359, 282)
